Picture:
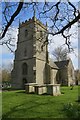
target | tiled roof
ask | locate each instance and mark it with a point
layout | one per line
(62, 64)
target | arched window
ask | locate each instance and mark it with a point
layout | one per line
(24, 69)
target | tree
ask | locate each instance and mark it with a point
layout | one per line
(60, 54)
(59, 15)
(6, 76)
(6, 72)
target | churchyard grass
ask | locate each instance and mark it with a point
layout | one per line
(18, 104)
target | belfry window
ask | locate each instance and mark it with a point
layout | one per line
(41, 33)
(24, 69)
(26, 32)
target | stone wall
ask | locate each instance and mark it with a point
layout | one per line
(24, 54)
(53, 76)
(66, 74)
(71, 75)
(40, 69)
(30, 52)
(63, 76)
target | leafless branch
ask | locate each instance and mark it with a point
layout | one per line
(60, 18)
(13, 17)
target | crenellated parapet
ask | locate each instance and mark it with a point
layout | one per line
(31, 20)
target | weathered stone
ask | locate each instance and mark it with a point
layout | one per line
(53, 89)
(40, 89)
(65, 72)
(29, 87)
(31, 62)
(32, 65)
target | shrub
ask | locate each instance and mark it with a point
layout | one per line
(72, 110)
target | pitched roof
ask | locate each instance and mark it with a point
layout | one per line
(53, 65)
(62, 64)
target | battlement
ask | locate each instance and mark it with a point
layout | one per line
(31, 20)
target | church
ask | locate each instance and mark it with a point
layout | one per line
(32, 64)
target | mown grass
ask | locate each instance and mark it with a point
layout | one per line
(18, 104)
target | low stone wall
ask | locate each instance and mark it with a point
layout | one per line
(50, 89)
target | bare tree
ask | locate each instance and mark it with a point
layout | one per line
(60, 53)
(59, 15)
(6, 75)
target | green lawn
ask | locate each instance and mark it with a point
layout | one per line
(18, 104)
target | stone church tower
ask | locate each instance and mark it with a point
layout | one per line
(31, 56)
